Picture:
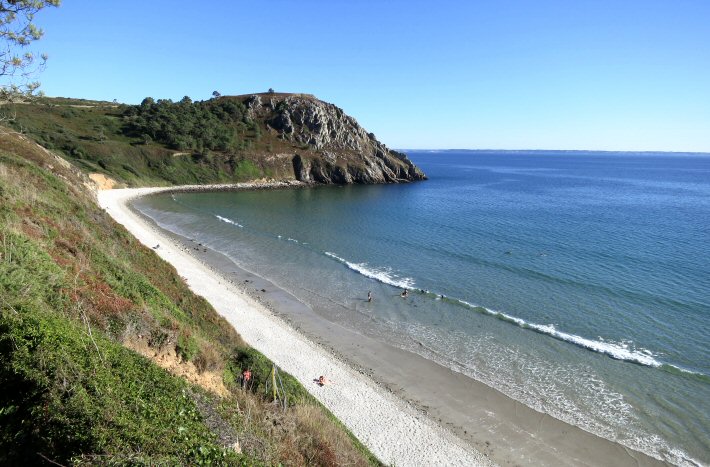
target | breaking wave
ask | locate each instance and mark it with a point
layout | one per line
(617, 350)
(384, 275)
(624, 350)
(228, 221)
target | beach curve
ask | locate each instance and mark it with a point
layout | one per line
(392, 429)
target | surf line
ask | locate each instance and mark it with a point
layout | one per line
(228, 221)
(617, 351)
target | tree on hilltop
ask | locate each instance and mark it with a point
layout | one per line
(17, 32)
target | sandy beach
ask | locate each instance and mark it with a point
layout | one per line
(395, 417)
(393, 430)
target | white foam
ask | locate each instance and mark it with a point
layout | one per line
(619, 351)
(229, 221)
(574, 394)
(384, 275)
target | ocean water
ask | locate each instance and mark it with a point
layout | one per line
(575, 282)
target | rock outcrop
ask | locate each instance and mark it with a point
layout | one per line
(328, 145)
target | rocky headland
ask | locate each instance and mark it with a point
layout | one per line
(330, 146)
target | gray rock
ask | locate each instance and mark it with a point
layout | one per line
(335, 148)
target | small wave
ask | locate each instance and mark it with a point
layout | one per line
(289, 239)
(624, 351)
(384, 275)
(617, 350)
(677, 370)
(228, 221)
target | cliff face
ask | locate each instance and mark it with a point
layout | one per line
(329, 146)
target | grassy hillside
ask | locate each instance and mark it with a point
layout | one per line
(157, 143)
(78, 292)
(162, 143)
(96, 138)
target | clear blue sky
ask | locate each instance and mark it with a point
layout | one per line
(506, 74)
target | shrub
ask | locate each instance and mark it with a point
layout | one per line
(66, 393)
(208, 358)
(158, 338)
(186, 347)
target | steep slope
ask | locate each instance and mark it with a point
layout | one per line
(332, 146)
(86, 315)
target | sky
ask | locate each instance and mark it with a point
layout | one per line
(629, 75)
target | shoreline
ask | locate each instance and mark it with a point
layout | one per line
(393, 430)
(486, 422)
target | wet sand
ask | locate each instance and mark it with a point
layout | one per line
(504, 430)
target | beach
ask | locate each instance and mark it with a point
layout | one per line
(408, 410)
(395, 432)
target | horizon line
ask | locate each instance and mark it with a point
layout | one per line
(707, 153)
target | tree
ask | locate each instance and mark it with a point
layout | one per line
(17, 32)
(216, 94)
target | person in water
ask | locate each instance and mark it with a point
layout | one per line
(404, 293)
(369, 295)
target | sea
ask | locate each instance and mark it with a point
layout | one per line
(575, 282)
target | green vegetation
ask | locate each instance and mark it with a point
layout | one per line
(17, 32)
(187, 125)
(70, 395)
(157, 142)
(260, 366)
(77, 291)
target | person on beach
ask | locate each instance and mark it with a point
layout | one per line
(369, 295)
(322, 381)
(404, 293)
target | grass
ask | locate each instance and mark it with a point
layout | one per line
(74, 288)
(96, 138)
(70, 393)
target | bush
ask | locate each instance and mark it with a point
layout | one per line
(158, 338)
(208, 358)
(185, 125)
(186, 347)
